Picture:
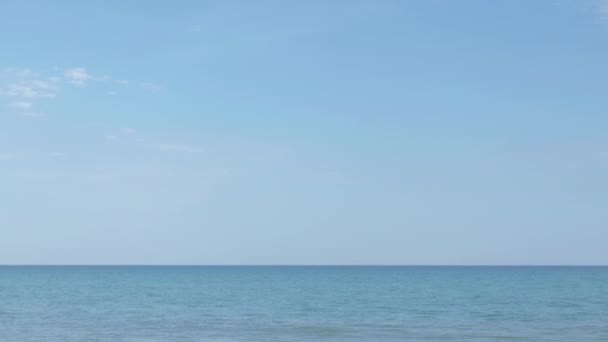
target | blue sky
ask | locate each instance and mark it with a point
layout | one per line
(304, 132)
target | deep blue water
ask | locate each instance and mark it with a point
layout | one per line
(303, 304)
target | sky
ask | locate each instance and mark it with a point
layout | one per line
(418, 132)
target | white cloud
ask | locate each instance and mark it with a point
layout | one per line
(78, 76)
(180, 148)
(29, 89)
(23, 88)
(151, 87)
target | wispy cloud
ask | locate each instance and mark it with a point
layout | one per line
(32, 114)
(21, 105)
(128, 130)
(57, 154)
(23, 87)
(121, 134)
(129, 136)
(25, 84)
(29, 89)
(151, 87)
(78, 76)
(599, 7)
(10, 156)
(180, 148)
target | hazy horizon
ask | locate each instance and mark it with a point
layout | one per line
(318, 265)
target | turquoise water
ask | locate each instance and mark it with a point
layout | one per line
(303, 304)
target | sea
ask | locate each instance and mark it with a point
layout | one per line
(302, 303)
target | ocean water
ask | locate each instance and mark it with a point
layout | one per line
(138, 304)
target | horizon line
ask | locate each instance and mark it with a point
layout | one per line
(303, 265)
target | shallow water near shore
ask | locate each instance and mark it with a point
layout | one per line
(304, 303)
